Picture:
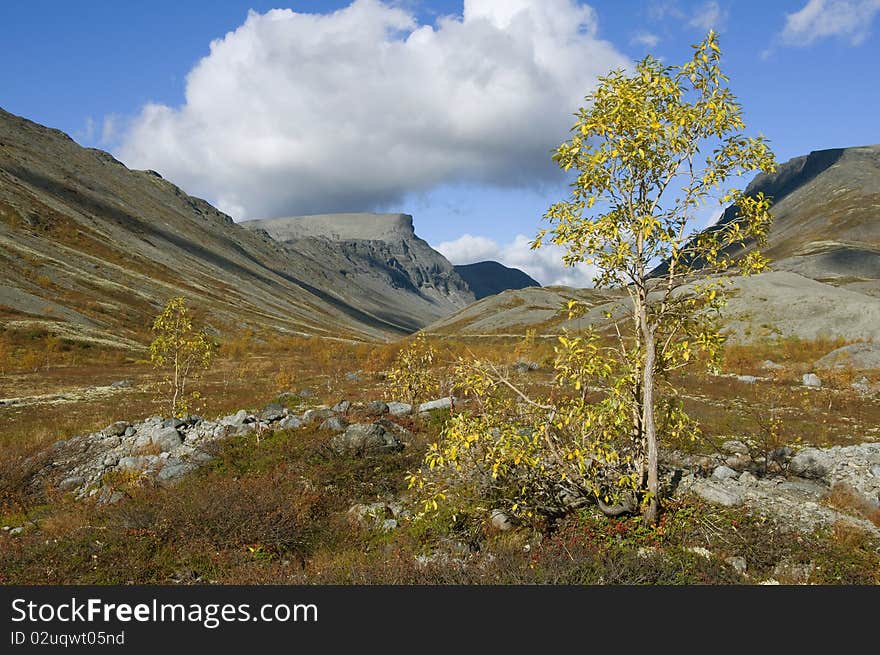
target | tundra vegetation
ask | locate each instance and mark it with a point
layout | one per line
(545, 469)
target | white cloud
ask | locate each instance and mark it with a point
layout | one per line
(544, 264)
(646, 39)
(846, 19)
(297, 113)
(709, 16)
(109, 129)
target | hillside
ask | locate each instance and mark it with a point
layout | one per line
(90, 250)
(826, 216)
(375, 261)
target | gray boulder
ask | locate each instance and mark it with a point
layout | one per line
(399, 409)
(366, 439)
(290, 423)
(166, 438)
(738, 564)
(174, 469)
(810, 463)
(724, 473)
(500, 520)
(117, 429)
(735, 447)
(138, 462)
(811, 380)
(238, 419)
(717, 493)
(859, 356)
(440, 403)
(334, 424)
(315, 415)
(71, 483)
(376, 408)
(342, 406)
(272, 412)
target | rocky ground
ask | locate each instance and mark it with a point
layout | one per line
(792, 487)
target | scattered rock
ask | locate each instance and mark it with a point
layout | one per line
(770, 365)
(116, 429)
(334, 424)
(365, 439)
(174, 470)
(811, 380)
(810, 463)
(376, 408)
(735, 447)
(273, 412)
(342, 406)
(525, 367)
(794, 572)
(702, 552)
(739, 462)
(165, 438)
(306, 393)
(70, 483)
(354, 376)
(120, 384)
(875, 471)
(724, 473)
(137, 462)
(17, 530)
(290, 423)
(440, 403)
(315, 415)
(389, 524)
(399, 409)
(716, 493)
(748, 379)
(747, 479)
(861, 385)
(738, 564)
(500, 520)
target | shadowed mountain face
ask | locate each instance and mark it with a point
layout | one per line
(89, 248)
(375, 260)
(826, 216)
(490, 278)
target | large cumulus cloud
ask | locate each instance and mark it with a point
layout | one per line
(349, 111)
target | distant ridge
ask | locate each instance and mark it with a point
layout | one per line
(490, 278)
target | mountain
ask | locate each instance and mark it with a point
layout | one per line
(375, 261)
(490, 278)
(824, 249)
(91, 250)
(826, 216)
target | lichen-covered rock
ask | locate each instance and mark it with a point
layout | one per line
(366, 439)
(810, 463)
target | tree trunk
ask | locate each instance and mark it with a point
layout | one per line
(650, 430)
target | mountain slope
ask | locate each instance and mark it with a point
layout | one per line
(826, 215)
(490, 278)
(93, 249)
(375, 261)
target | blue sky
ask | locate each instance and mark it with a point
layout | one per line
(446, 110)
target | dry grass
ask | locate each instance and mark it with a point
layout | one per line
(847, 499)
(274, 511)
